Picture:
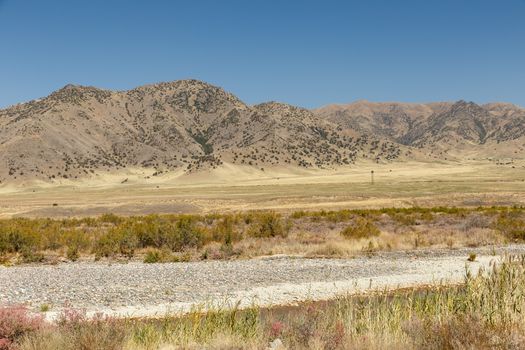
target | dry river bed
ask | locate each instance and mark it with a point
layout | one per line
(138, 290)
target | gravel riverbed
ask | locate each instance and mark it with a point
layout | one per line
(137, 289)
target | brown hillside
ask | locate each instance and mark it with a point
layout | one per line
(184, 125)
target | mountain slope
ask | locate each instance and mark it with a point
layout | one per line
(439, 130)
(184, 125)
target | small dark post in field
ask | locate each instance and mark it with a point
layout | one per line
(372, 177)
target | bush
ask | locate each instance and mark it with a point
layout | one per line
(185, 234)
(460, 332)
(15, 323)
(111, 218)
(72, 253)
(127, 242)
(511, 225)
(361, 228)
(31, 256)
(15, 240)
(152, 256)
(110, 235)
(97, 333)
(78, 239)
(105, 246)
(269, 224)
(225, 231)
(151, 231)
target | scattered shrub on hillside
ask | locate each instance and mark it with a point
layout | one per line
(360, 228)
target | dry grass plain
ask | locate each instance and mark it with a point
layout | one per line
(236, 188)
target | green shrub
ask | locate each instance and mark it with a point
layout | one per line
(360, 228)
(269, 224)
(72, 253)
(111, 219)
(511, 225)
(105, 246)
(153, 256)
(151, 231)
(403, 219)
(15, 240)
(30, 256)
(127, 242)
(225, 231)
(184, 234)
(76, 238)
(299, 214)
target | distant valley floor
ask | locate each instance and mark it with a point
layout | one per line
(237, 188)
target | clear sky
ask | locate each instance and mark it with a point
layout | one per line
(303, 52)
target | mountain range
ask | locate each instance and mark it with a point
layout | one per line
(192, 126)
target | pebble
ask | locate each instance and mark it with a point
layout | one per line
(96, 285)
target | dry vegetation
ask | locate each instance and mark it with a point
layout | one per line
(171, 238)
(483, 313)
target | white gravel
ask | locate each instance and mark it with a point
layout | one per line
(137, 289)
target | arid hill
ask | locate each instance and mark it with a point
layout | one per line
(190, 126)
(439, 130)
(184, 125)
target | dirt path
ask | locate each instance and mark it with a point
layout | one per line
(137, 289)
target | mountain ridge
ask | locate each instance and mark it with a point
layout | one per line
(190, 126)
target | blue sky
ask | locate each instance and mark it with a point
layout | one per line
(308, 53)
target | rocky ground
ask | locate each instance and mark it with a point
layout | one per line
(137, 289)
